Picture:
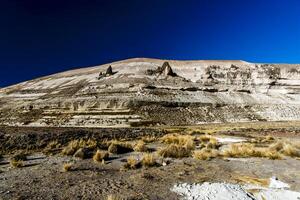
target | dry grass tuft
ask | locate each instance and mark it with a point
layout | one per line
(100, 156)
(205, 138)
(20, 156)
(74, 145)
(175, 151)
(140, 146)
(269, 138)
(242, 151)
(253, 181)
(205, 154)
(148, 160)
(273, 155)
(82, 153)
(54, 145)
(291, 150)
(67, 167)
(16, 163)
(249, 150)
(149, 139)
(286, 148)
(132, 163)
(118, 147)
(178, 139)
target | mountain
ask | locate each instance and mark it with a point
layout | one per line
(147, 92)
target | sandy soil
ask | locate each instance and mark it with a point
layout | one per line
(43, 177)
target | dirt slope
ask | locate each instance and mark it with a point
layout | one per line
(147, 92)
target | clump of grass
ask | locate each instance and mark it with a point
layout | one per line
(178, 139)
(118, 147)
(213, 143)
(149, 139)
(286, 148)
(20, 156)
(273, 155)
(269, 138)
(205, 138)
(175, 151)
(53, 145)
(242, 151)
(17, 159)
(140, 146)
(74, 145)
(100, 156)
(82, 153)
(249, 150)
(208, 141)
(148, 160)
(291, 150)
(67, 167)
(16, 163)
(205, 154)
(132, 163)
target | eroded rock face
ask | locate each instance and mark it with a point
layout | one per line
(155, 92)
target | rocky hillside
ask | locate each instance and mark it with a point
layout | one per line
(146, 92)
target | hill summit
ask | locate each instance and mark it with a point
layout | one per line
(148, 92)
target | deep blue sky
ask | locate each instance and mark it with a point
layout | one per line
(41, 37)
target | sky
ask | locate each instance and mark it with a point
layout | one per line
(40, 38)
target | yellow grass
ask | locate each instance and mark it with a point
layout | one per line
(100, 156)
(175, 151)
(148, 160)
(205, 154)
(244, 150)
(132, 163)
(74, 145)
(140, 146)
(253, 181)
(16, 163)
(20, 156)
(287, 148)
(177, 139)
(118, 147)
(67, 167)
(149, 139)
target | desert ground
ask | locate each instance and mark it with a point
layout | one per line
(148, 163)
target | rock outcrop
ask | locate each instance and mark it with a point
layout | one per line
(146, 92)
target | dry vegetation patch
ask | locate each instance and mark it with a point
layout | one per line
(254, 181)
(148, 160)
(20, 156)
(149, 139)
(67, 167)
(74, 145)
(175, 151)
(100, 156)
(140, 146)
(52, 146)
(286, 148)
(244, 150)
(118, 147)
(132, 163)
(16, 163)
(205, 154)
(177, 139)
